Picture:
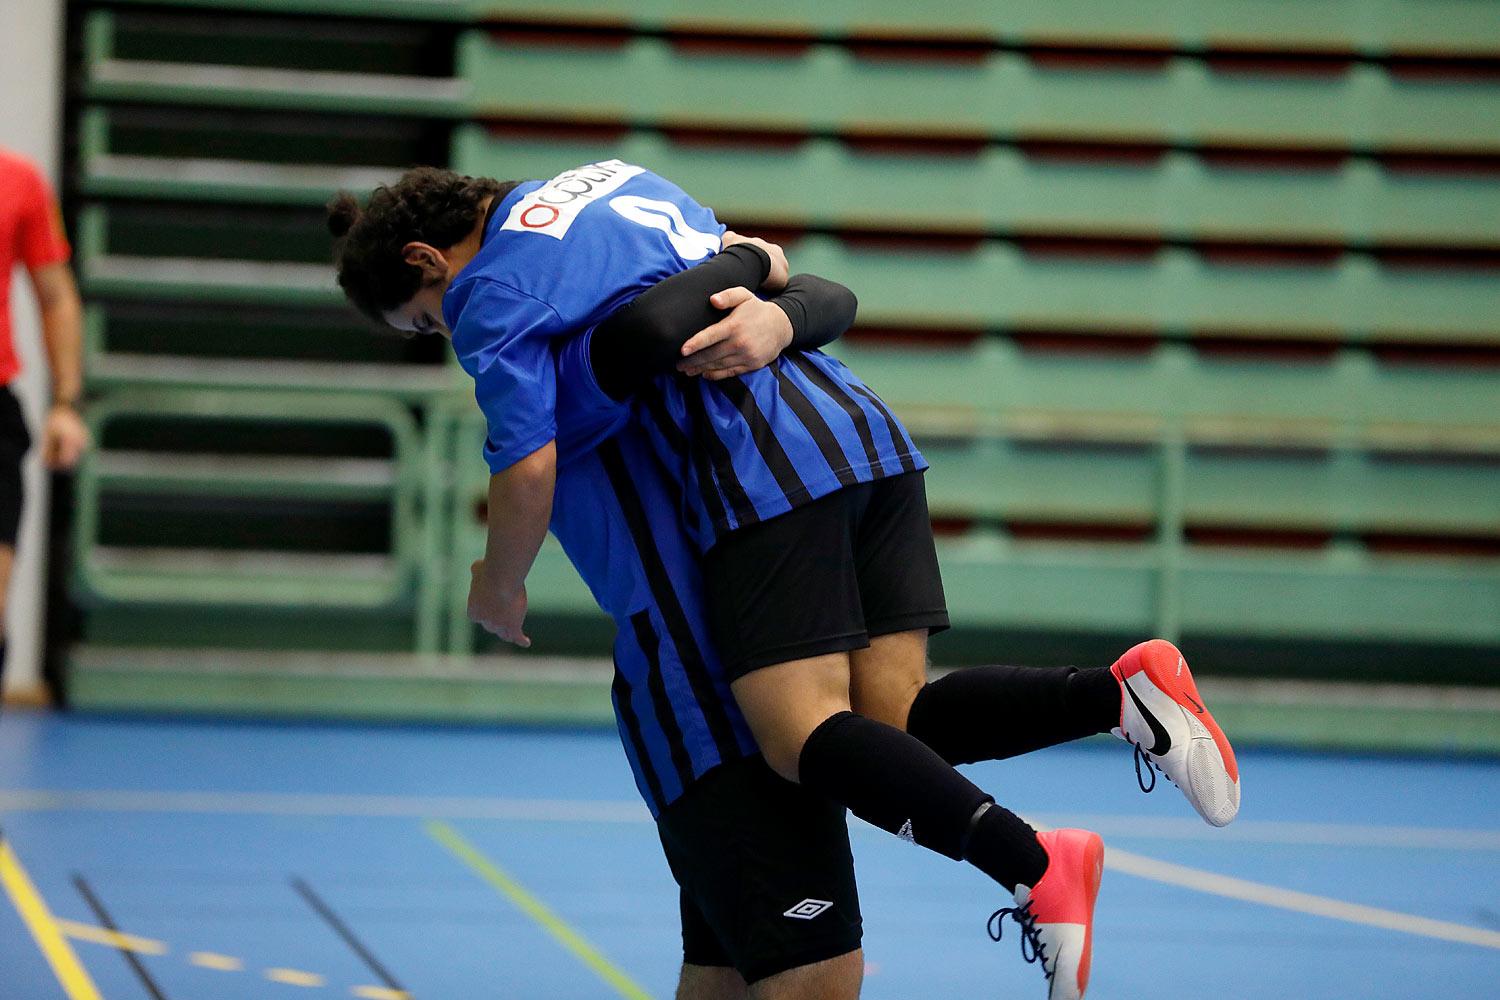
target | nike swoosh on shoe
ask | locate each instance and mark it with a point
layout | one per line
(1163, 742)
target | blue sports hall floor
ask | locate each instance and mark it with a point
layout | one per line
(221, 860)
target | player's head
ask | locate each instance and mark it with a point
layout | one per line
(394, 257)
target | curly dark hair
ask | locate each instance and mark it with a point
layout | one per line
(428, 205)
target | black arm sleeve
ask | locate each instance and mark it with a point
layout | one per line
(644, 338)
(820, 310)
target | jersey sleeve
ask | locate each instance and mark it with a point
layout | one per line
(586, 414)
(40, 239)
(504, 340)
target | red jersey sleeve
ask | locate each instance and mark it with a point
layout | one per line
(40, 238)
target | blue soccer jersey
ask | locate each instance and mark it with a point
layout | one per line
(635, 505)
(749, 448)
(616, 516)
(560, 256)
(557, 257)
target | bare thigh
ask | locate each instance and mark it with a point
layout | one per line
(885, 678)
(833, 979)
(784, 703)
(710, 982)
(7, 558)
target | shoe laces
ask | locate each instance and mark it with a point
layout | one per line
(1141, 756)
(1032, 947)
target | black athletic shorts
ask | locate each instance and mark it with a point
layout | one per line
(765, 870)
(826, 577)
(14, 442)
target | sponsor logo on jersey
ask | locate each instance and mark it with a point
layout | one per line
(807, 909)
(687, 242)
(551, 208)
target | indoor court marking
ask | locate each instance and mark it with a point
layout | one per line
(192, 861)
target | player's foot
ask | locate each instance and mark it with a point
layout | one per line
(1057, 914)
(1162, 713)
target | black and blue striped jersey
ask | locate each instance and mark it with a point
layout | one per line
(560, 256)
(638, 499)
(751, 447)
(616, 515)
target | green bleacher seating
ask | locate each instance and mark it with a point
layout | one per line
(1347, 399)
(217, 345)
(415, 10)
(111, 78)
(168, 345)
(1348, 491)
(182, 277)
(1174, 291)
(1163, 582)
(822, 183)
(827, 88)
(1065, 210)
(995, 286)
(1371, 27)
(203, 177)
(1330, 593)
(127, 494)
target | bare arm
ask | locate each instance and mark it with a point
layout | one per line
(520, 506)
(65, 436)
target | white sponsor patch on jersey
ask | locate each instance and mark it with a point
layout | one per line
(690, 243)
(551, 208)
(807, 909)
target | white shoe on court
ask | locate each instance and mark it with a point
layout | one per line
(1162, 713)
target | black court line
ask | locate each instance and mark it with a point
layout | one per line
(342, 930)
(92, 898)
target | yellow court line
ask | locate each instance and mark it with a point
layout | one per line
(54, 947)
(295, 977)
(115, 939)
(536, 910)
(213, 960)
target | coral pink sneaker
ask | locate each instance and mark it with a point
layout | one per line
(1057, 914)
(1162, 713)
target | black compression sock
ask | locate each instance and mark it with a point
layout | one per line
(1094, 695)
(1005, 848)
(992, 713)
(889, 779)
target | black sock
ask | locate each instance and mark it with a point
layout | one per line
(1095, 697)
(991, 713)
(891, 780)
(1006, 849)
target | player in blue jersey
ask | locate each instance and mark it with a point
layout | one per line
(744, 845)
(758, 459)
(693, 757)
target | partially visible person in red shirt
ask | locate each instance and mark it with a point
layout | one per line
(31, 233)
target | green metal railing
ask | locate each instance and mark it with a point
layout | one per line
(232, 577)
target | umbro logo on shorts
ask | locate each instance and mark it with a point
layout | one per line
(807, 909)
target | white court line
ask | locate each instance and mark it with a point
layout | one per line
(605, 811)
(1300, 902)
(1279, 832)
(294, 804)
(280, 804)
